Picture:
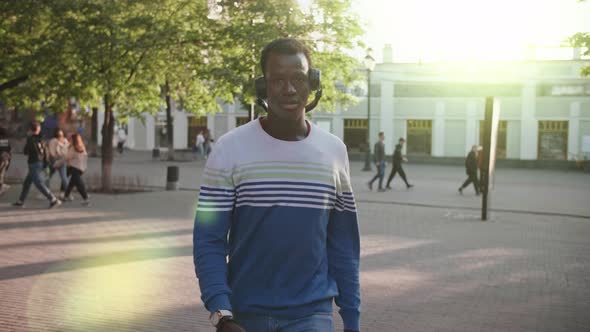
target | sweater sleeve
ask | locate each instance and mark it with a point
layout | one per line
(344, 252)
(211, 227)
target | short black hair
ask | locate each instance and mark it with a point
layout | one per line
(288, 46)
(34, 125)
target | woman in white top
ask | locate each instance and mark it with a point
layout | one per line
(58, 148)
(77, 159)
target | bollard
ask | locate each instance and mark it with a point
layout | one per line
(172, 178)
(156, 153)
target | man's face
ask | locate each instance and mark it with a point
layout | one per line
(381, 138)
(287, 85)
(401, 142)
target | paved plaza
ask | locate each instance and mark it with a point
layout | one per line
(428, 263)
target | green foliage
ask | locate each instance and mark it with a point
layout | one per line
(125, 50)
(582, 39)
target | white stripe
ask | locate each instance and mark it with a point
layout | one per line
(215, 204)
(341, 210)
(285, 186)
(207, 209)
(221, 199)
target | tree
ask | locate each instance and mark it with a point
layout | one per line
(327, 27)
(582, 39)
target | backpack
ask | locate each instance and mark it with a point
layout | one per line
(42, 151)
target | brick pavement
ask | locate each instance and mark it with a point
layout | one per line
(124, 264)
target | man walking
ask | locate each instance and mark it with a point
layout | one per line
(379, 159)
(398, 158)
(471, 170)
(288, 207)
(35, 150)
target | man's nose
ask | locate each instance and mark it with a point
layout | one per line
(290, 87)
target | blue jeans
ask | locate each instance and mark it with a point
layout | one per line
(380, 174)
(63, 175)
(35, 176)
(320, 322)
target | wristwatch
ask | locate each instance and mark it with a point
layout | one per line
(218, 315)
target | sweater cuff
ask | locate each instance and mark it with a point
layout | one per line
(351, 319)
(219, 302)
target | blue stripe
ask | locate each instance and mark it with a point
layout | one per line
(217, 200)
(215, 195)
(332, 197)
(217, 189)
(318, 199)
(284, 183)
(284, 201)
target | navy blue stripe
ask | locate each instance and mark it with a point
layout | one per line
(215, 195)
(284, 201)
(332, 197)
(321, 191)
(285, 183)
(217, 189)
(329, 199)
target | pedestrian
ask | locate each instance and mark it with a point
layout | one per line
(379, 160)
(199, 144)
(207, 148)
(480, 166)
(471, 170)
(36, 153)
(77, 161)
(5, 157)
(398, 159)
(288, 207)
(121, 138)
(58, 148)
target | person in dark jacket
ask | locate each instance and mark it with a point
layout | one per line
(379, 159)
(471, 170)
(5, 156)
(397, 165)
(35, 150)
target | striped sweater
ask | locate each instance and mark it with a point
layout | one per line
(276, 229)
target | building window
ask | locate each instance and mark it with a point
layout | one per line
(355, 134)
(242, 120)
(501, 139)
(196, 124)
(553, 140)
(419, 137)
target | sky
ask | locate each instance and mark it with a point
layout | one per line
(471, 30)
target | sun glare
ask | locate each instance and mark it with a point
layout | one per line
(463, 30)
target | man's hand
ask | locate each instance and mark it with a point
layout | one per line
(229, 325)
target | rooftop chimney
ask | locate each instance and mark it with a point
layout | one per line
(387, 54)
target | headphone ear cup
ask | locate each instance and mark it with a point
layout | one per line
(260, 84)
(314, 79)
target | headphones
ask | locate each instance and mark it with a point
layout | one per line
(314, 76)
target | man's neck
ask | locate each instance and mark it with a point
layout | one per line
(285, 130)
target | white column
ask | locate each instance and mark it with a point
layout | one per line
(150, 131)
(180, 130)
(573, 139)
(130, 142)
(386, 116)
(338, 123)
(471, 125)
(529, 129)
(438, 130)
(100, 120)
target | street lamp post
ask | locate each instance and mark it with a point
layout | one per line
(369, 63)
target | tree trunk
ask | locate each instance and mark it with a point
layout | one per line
(94, 133)
(108, 129)
(170, 134)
